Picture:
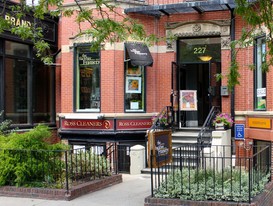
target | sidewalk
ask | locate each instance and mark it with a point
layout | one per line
(131, 192)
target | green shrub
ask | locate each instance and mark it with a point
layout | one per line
(190, 184)
(87, 163)
(27, 157)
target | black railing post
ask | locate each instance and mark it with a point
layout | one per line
(152, 175)
(66, 173)
(250, 181)
(116, 156)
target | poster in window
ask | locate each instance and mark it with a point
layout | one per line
(188, 100)
(133, 84)
(134, 71)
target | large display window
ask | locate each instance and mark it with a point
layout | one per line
(29, 94)
(87, 79)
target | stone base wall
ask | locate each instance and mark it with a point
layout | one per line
(264, 199)
(60, 194)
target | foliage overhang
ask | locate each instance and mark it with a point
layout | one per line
(258, 16)
(106, 23)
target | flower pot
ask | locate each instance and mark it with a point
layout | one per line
(219, 126)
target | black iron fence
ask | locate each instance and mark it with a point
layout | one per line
(62, 169)
(212, 173)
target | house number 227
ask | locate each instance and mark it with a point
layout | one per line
(199, 50)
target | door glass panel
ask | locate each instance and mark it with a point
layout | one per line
(199, 61)
(200, 50)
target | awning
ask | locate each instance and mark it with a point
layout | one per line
(184, 7)
(139, 54)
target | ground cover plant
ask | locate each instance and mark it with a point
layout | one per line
(202, 185)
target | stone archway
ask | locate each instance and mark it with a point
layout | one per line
(198, 29)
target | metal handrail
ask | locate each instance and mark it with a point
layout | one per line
(156, 120)
(213, 111)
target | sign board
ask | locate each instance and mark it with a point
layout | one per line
(239, 131)
(159, 148)
(264, 123)
(133, 124)
(87, 124)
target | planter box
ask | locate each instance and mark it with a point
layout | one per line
(263, 199)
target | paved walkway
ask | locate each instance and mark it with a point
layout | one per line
(131, 192)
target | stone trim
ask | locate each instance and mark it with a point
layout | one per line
(198, 28)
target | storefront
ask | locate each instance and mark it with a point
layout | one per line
(100, 91)
(27, 86)
(199, 34)
(88, 124)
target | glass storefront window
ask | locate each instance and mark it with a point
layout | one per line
(29, 96)
(16, 90)
(259, 75)
(134, 88)
(16, 49)
(87, 80)
(42, 93)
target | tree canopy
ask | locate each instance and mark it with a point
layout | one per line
(106, 23)
(258, 16)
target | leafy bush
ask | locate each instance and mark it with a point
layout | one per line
(4, 125)
(86, 164)
(203, 185)
(27, 157)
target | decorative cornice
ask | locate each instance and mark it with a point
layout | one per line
(173, 25)
(198, 28)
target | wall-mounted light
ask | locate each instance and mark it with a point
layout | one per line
(205, 58)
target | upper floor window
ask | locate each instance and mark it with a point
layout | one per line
(87, 80)
(260, 75)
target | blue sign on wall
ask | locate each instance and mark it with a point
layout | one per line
(239, 131)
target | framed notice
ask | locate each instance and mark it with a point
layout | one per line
(159, 148)
(188, 100)
(133, 84)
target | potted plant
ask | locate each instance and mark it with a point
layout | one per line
(223, 121)
(161, 120)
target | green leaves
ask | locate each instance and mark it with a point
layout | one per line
(258, 16)
(190, 184)
(27, 157)
(101, 20)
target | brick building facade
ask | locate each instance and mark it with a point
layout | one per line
(103, 97)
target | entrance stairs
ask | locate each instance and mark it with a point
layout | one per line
(185, 143)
